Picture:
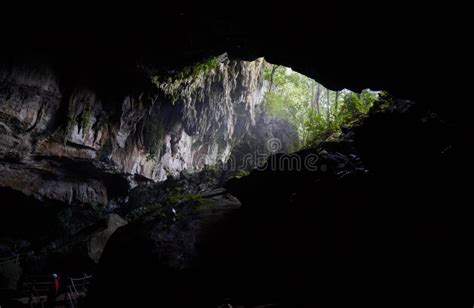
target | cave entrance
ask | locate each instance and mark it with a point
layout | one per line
(315, 112)
(270, 109)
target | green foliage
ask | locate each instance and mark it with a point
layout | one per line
(174, 83)
(294, 97)
(85, 119)
(316, 128)
(143, 211)
(197, 69)
(356, 105)
(70, 117)
(383, 102)
(289, 96)
(176, 197)
(241, 173)
(153, 138)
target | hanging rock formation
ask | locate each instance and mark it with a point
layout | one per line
(77, 145)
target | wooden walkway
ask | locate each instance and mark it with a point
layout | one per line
(37, 287)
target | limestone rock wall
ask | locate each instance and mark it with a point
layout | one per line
(74, 144)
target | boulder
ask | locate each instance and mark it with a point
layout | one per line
(98, 240)
(163, 257)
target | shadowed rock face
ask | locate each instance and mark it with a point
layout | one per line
(171, 250)
(339, 234)
(78, 252)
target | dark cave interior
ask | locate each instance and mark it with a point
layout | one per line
(386, 225)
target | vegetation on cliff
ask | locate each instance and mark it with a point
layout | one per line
(176, 83)
(316, 112)
(154, 134)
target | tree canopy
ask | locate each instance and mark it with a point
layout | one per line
(317, 113)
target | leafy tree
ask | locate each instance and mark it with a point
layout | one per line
(290, 96)
(356, 105)
(316, 113)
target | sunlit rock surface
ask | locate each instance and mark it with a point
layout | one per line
(65, 144)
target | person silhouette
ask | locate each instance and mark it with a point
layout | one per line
(54, 290)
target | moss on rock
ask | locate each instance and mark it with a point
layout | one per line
(174, 83)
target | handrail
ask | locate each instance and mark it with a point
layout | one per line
(72, 300)
(37, 283)
(35, 298)
(83, 278)
(74, 287)
(16, 258)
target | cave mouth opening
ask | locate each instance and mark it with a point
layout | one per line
(315, 112)
(273, 109)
